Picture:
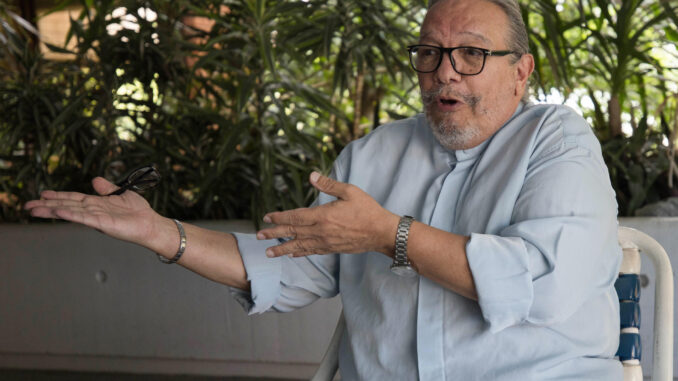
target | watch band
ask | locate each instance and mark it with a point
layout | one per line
(402, 235)
(401, 263)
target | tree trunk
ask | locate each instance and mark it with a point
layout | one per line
(673, 170)
(358, 103)
(614, 110)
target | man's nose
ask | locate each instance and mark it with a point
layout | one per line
(446, 72)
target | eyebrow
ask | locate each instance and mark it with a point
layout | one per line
(472, 34)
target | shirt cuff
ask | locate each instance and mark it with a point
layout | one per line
(262, 272)
(500, 270)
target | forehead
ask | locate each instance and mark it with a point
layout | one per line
(464, 21)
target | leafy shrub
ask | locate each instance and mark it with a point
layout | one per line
(235, 110)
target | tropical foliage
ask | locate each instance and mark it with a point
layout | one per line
(237, 101)
(617, 61)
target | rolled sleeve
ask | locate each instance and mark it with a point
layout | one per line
(263, 273)
(501, 273)
(283, 284)
(560, 249)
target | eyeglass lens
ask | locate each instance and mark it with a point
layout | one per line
(465, 60)
(139, 180)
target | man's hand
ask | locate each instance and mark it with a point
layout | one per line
(128, 216)
(354, 223)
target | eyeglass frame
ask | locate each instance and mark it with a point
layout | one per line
(128, 184)
(442, 50)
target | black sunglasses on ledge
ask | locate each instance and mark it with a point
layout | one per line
(140, 180)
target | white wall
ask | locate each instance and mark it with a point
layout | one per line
(57, 312)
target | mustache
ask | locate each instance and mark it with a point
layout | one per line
(431, 96)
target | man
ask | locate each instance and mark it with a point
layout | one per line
(513, 244)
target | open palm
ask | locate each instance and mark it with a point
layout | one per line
(128, 217)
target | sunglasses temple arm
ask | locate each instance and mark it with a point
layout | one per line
(120, 190)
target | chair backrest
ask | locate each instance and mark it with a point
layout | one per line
(330, 362)
(633, 242)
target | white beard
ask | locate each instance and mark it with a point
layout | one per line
(450, 136)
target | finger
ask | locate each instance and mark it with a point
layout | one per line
(42, 212)
(329, 186)
(296, 248)
(73, 215)
(32, 204)
(296, 217)
(64, 213)
(53, 195)
(53, 203)
(103, 186)
(81, 215)
(285, 231)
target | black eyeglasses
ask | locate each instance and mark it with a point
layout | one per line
(141, 179)
(466, 60)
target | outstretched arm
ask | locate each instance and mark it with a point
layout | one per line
(129, 217)
(356, 223)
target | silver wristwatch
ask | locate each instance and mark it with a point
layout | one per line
(401, 264)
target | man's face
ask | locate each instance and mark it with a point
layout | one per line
(464, 110)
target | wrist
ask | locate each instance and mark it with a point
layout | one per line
(163, 238)
(388, 234)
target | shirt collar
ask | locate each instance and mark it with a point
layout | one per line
(472, 153)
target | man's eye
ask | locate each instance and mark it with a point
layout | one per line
(428, 52)
(472, 52)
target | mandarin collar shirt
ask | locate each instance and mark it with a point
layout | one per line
(536, 200)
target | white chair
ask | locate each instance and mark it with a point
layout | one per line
(633, 242)
(330, 362)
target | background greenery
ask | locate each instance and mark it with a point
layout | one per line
(237, 101)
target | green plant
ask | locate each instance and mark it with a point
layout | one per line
(46, 139)
(234, 110)
(613, 58)
(237, 101)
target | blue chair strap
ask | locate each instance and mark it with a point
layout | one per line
(629, 347)
(628, 287)
(629, 314)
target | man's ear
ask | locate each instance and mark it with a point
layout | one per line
(524, 68)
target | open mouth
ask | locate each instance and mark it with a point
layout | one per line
(448, 101)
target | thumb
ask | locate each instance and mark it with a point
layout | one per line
(328, 185)
(103, 186)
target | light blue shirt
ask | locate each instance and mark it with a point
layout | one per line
(536, 200)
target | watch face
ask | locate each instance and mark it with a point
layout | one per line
(404, 271)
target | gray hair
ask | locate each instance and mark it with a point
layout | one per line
(517, 37)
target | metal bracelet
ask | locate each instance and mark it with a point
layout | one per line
(182, 246)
